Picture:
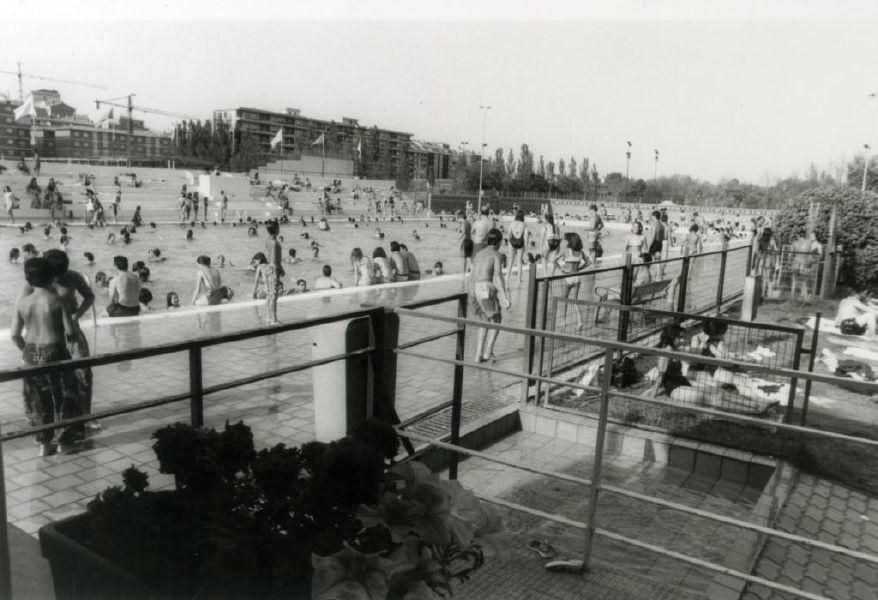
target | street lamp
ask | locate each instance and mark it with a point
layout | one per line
(655, 166)
(627, 164)
(866, 147)
(484, 108)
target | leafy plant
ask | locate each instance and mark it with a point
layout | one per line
(857, 228)
(242, 523)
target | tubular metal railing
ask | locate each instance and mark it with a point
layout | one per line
(610, 348)
(374, 351)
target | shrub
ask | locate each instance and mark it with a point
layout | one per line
(856, 230)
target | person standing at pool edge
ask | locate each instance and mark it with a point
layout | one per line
(274, 272)
(488, 291)
(46, 324)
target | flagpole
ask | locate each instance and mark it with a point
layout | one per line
(323, 156)
(281, 152)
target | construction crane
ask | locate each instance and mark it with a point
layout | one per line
(21, 75)
(131, 107)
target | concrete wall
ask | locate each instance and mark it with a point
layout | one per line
(234, 186)
(312, 164)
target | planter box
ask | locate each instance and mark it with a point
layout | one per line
(79, 573)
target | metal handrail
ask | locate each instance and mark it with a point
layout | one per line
(627, 347)
(596, 486)
(643, 497)
(172, 347)
(650, 400)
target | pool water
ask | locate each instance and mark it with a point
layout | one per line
(177, 273)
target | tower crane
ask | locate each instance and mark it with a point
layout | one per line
(131, 107)
(21, 75)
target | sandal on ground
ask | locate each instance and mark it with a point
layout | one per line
(542, 548)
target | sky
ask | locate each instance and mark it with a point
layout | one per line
(723, 90)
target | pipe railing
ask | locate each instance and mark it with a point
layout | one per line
(609, 348)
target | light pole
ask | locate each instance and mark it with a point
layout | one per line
(655, 167)
(627, 165)
(866, 147)
(484, 108)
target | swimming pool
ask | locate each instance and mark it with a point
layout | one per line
(177, 273)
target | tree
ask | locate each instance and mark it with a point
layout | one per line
(541, 170)
(583, 171)
(856, 230)
(402, 175)
(248, 155)
(855, 173)
(525, 164)
(510, 164)
(550, 172)
(562, 169)
(571, 167)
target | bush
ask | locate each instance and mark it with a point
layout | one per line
(856, 231)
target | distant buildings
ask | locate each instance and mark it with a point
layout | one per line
(55, 130)
(15, 141)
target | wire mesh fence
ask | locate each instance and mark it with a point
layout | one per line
(693, 284)
(789, 275)
(689, 382)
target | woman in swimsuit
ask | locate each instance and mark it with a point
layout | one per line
(571, 262)
(385, 272)
(635, 247)
(363, 268)
(518, 240)
(550, 243)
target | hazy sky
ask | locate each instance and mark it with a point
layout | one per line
(719, 97)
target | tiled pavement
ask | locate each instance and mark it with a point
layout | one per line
(830, 513)
(618, 571)
(281, 409)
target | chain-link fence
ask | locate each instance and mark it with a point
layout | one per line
(789, 275)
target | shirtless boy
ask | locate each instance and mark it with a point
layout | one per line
(124, 291)
(489, 290)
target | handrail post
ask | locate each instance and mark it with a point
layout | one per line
(683, 288)
(541, 343)
(812, 357)
(749, 269)
(794, 381)
(598, 458)
(5, 567)
(722, 275)
(530, 317)
(625, 299)
(457, 392)
(196, 387)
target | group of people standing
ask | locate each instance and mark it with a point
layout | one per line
(45, 327)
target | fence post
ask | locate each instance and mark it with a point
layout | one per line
(5, 567)
(598, 457)
(684, 281)
(791, 397)
(812, 357)
(541, 325)
(457, 392)
(625, 299)
(749, 268)
(530, 317)
(722, 275)
(196, 387)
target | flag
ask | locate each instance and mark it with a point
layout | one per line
(107, 116)
(26, 109)
(278, 138)
(319, 140)
(360, 147)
